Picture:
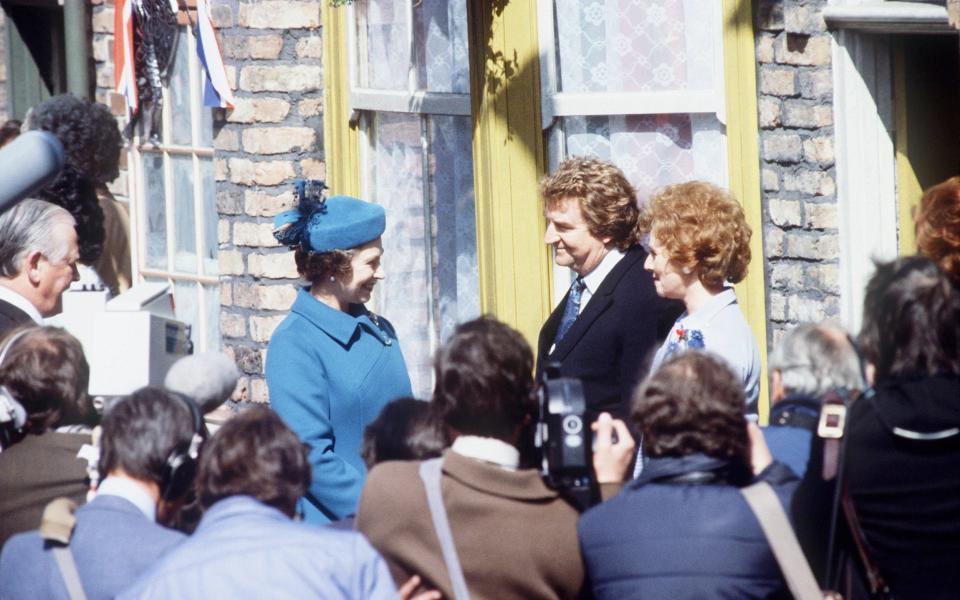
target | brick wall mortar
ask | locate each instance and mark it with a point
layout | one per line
(257, 169)
(798, 176)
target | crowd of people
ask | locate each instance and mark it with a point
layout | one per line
(347, 487)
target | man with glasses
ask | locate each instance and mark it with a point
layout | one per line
(38, 261)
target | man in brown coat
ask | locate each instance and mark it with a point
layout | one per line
(514, 536)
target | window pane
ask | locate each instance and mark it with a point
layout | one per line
(454, 222)
(383, 30)
(211, 306)
(637, 45)
(405, 294)
(440, 28)
(187, 300)
(155, 212)
(210, 217)
(185, 244)
(180, 94)
(653, 150)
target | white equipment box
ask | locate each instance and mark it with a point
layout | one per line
(129, 341)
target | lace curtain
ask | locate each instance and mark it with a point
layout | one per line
(643, 46)
(420, 168)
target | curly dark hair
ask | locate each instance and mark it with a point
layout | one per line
(89, 133)
(254, 454)
(484, 382)
(76, 193)
(693, 403)
(314, 267)
(911, 320)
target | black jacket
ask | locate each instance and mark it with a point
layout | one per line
(11, 317)
(610, 345)
(906, 492)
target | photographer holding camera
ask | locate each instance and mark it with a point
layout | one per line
(683, 529)
(473, 521)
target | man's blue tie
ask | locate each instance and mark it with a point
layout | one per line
(571, 311)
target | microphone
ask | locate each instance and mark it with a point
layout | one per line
(208, 378)
(27, 164)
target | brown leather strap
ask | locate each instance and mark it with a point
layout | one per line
(831, 458)
(878, 586)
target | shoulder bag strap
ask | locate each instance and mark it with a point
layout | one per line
(56, 528)
(68, 569)
(773, 520)
(431, 473)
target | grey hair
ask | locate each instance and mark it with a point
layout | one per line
(27, 227)
(208, 378)
(813, 359)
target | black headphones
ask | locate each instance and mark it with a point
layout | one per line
(181, 464)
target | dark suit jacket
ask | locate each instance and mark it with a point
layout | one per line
(515, 537)
(610, 345)
(113, 544)
(11, 317)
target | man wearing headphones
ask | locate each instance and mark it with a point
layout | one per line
(148, 452)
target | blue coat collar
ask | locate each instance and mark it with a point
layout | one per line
(337, 324)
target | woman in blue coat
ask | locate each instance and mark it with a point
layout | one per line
(332, 365)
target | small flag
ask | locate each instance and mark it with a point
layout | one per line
(216, 89)
(124, 76)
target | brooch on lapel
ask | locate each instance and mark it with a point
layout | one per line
(685, 339)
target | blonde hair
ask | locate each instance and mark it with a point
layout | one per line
(607, 200)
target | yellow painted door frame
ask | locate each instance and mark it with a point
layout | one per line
(739, 61)
(341, 138)
(909, 189)
(508, 161)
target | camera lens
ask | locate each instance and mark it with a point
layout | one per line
(572, 424)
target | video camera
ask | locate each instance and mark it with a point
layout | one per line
(563, 437)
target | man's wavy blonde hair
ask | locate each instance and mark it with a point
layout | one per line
(607, 200)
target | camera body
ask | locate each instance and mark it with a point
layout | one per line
(563, 436)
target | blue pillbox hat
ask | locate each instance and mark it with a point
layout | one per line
(337, 223)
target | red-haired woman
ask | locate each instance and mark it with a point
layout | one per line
(699, 243)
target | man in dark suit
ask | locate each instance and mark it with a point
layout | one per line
(147, 452)
(38, 261)
(611, 320)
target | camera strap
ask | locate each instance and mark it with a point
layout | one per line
(431, 471)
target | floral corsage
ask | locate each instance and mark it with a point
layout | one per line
(685, 339)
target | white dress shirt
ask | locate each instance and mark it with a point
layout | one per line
(131, 491)
(594, 278)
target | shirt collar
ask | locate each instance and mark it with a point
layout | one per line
(22, 303)
(489, 450)
(594, 278)
(710, 309)
(130, 490)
